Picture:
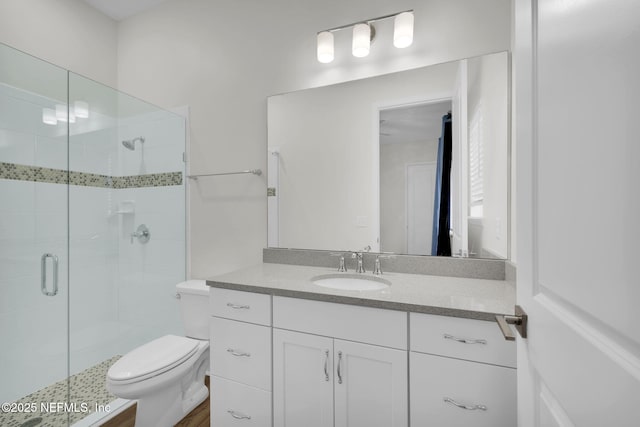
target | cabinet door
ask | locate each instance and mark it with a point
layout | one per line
(458, 393)
(302, 380)
(370, 385)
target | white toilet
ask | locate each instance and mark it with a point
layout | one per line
(166, 375)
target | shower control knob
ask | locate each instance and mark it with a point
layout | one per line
(142, 234)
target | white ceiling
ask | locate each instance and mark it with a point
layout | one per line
(121, 9)
(412, 123)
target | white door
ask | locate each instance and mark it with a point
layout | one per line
(370, 386)
(302, 380)
(577, 74)
(421, 183)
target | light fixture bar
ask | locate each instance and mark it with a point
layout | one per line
(366, 21)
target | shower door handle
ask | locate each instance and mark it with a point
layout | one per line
(43, 275)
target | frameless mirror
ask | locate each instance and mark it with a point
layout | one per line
(414, 162)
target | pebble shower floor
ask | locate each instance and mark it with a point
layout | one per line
(86, 387)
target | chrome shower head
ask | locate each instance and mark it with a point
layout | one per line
(130, 144)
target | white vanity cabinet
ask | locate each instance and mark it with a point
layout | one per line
(462, 373)
(292, 362)
(322, 380)
(240, 356)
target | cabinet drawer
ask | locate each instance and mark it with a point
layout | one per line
(238, 305)
(362, 324)
(241, 352)
(435, 378)
(468, 339)
(238, 404)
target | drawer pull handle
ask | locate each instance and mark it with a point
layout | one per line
(238, 415)
(467, 407)
(238, 307)
(326, 365)
(238, 353)
(339, 367)
(464, 340)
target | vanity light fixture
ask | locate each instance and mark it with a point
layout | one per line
(364, 33)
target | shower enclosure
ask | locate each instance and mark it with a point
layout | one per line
(92, 237)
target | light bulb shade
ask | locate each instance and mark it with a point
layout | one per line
(81, 109)
(49, 116)
(325, 47)
(403, 30)
(61, 112)
(361, 40)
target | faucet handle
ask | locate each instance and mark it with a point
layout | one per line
(342, 268)
(376, 269)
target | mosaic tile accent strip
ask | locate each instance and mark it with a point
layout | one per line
(150, 180)
(32, 173)
(87, 390)
(60, 176)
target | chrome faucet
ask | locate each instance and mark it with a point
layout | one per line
(359, 264)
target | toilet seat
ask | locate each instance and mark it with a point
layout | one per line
(152, 359)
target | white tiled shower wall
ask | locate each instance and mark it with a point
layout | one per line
(149, 272)
(140, 303)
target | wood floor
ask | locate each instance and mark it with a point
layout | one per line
(199, 417)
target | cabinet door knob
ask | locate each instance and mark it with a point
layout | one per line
(467, 407)
(339, 367)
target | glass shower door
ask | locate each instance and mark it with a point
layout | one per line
(34, 360)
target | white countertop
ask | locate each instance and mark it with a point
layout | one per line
(450, 296)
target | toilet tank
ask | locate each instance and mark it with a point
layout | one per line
(194, 308)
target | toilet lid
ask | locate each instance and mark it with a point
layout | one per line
(153, 358)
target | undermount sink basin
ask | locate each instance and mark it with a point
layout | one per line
(351, 282)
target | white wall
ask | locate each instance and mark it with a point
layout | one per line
(67, 33)
(224, 58)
